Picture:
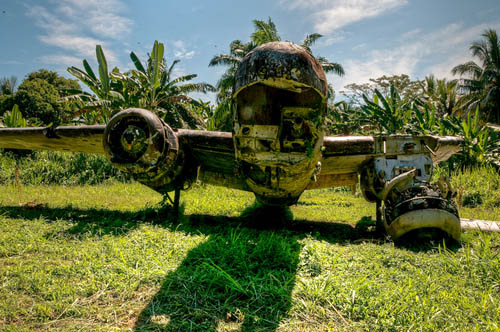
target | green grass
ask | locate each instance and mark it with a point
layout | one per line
(108, 258)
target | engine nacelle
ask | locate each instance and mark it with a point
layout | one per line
(139, 143)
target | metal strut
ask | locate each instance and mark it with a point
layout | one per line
(177, 197)
(174, 202)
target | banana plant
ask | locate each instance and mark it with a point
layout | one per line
(391, 114)
(151, 86)
(14, 118)
(481, 143)
(105, 101)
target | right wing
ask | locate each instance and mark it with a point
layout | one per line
(344, 156)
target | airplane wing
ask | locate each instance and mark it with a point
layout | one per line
(87, 139)
(212, 153)
(344, 156)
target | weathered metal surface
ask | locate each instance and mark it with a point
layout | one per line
(333, 180)
(421, 206)
(211, 151)
(480, 225)
(138, 142)
(209, 140)
(279, 104)
(439, 147)
(422, 219)
(339, 158)
(283, 65)
(87, 139)
(348, 145)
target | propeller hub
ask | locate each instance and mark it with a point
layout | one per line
(133, 139)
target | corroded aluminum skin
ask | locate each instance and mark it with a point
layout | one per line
(279, 105)
(283, 65)
(426, 218)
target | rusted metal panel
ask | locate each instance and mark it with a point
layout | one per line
(333, 180)
(439, 147)
(211, 150)
(209, 140)
(348, 145)
(343, 164)
(217, 178)
(283, 65)
(87, 139)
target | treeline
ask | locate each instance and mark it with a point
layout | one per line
(468, 106)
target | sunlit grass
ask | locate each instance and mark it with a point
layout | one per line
(108, 258)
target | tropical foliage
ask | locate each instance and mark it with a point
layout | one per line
(8, 85)
(38, 97)
(264, 32)
(150, 86)
(38, 100)
(481, 84)
(14, 118)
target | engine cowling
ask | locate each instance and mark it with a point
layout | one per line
(139, 143)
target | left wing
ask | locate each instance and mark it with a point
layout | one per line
(87, 139)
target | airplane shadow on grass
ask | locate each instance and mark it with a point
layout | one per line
(241, 278)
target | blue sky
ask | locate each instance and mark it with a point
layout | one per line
(369, 38)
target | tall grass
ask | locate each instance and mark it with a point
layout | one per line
(99, 258)
(64, 168)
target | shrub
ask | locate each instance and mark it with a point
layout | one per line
(477, 186)
(64, 168)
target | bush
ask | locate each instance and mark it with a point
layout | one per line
(64, 168)
(38, 99)
(477, 186)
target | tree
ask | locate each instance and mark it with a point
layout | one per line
(38, 100)
(62, 84)
(150, 86)
(406, 88)
(264, 32)
(441, 94)
(8, 85)
(7, 90)
(481, 85)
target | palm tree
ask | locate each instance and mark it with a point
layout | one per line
(265, 32)
(482, 83)
(440, 93)
(8, 85)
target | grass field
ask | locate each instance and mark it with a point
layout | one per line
(107, 258)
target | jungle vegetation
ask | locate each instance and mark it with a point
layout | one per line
(466, 106)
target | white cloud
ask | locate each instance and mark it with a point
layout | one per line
(180, 50)
(64, 60)
(102, 17)
(178, 72)
(78, 26)
(329, 16)
(84, 46)
(412, 54)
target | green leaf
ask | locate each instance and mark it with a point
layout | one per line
(156, 59)
(137, 62)
(89, 70)
(103, 69)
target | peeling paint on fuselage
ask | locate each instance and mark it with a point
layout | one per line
(279, 107)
